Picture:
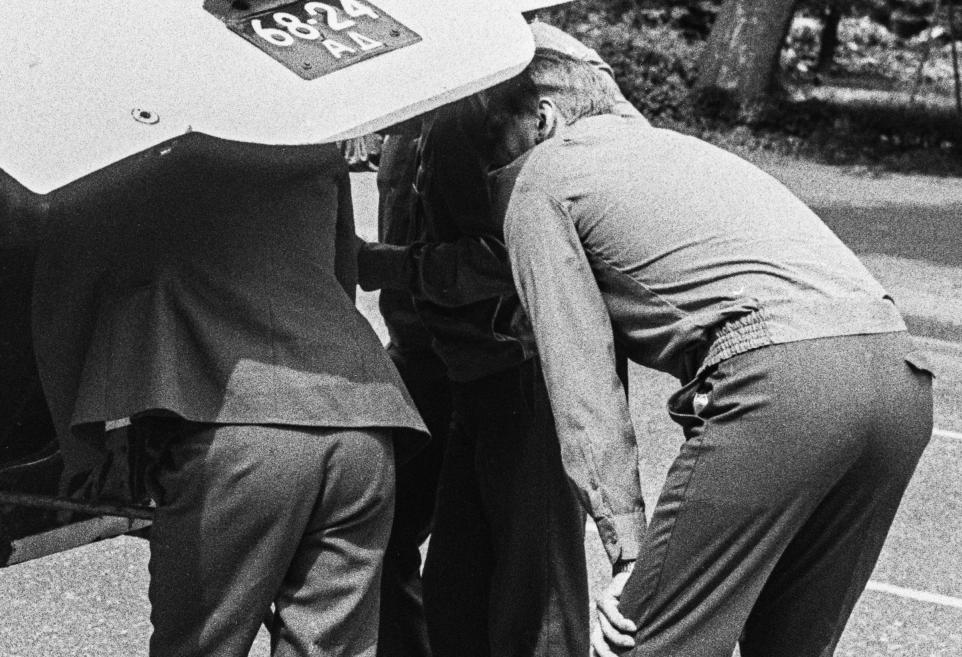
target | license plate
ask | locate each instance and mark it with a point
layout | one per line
(316, 38)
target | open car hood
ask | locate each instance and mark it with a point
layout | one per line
(96, 82)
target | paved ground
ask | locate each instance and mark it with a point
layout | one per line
(92, 601)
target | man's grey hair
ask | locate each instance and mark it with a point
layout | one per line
(577, 88)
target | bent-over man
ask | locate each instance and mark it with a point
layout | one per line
(490, 587)
(804, 405)
(205, 295)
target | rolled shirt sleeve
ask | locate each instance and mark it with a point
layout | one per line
(574, 337)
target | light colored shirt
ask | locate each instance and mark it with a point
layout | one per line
(683, 251)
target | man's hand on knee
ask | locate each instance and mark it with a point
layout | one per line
(612, 633)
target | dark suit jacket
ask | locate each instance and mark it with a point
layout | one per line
(215, 281)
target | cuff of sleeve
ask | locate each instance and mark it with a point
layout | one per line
(382, 266)
(622, 534)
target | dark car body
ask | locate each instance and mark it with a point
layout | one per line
(35, 519)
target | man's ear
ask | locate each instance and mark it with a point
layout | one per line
(548, 118)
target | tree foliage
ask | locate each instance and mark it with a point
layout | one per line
(655, 47)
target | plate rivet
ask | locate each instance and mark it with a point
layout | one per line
(144, 116)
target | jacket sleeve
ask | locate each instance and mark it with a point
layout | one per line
(574, 337)
(453, 254)
(450, 274)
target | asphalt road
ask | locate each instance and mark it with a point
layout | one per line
(908, 231)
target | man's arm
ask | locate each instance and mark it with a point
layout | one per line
(574, 336)
(443, 249)
(345, 260)
(448, 273)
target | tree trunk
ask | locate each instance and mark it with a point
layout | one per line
(741, 56)
(831, 17)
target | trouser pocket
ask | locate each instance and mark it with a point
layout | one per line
(687, 405)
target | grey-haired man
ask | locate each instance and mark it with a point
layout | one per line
(803, 404)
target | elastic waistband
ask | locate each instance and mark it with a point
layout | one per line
(738, 336)
(765, 327)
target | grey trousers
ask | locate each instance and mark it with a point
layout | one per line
(250, 516)
(775, 510)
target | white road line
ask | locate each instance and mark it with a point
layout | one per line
(899, 591)
(942, 433)
(921, 596)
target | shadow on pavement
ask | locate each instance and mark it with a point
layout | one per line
(923, 232)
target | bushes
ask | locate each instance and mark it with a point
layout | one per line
(655, 69)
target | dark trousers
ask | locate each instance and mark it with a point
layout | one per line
(774, 513)
(250, 516)
(402, 631)
(505, 573)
